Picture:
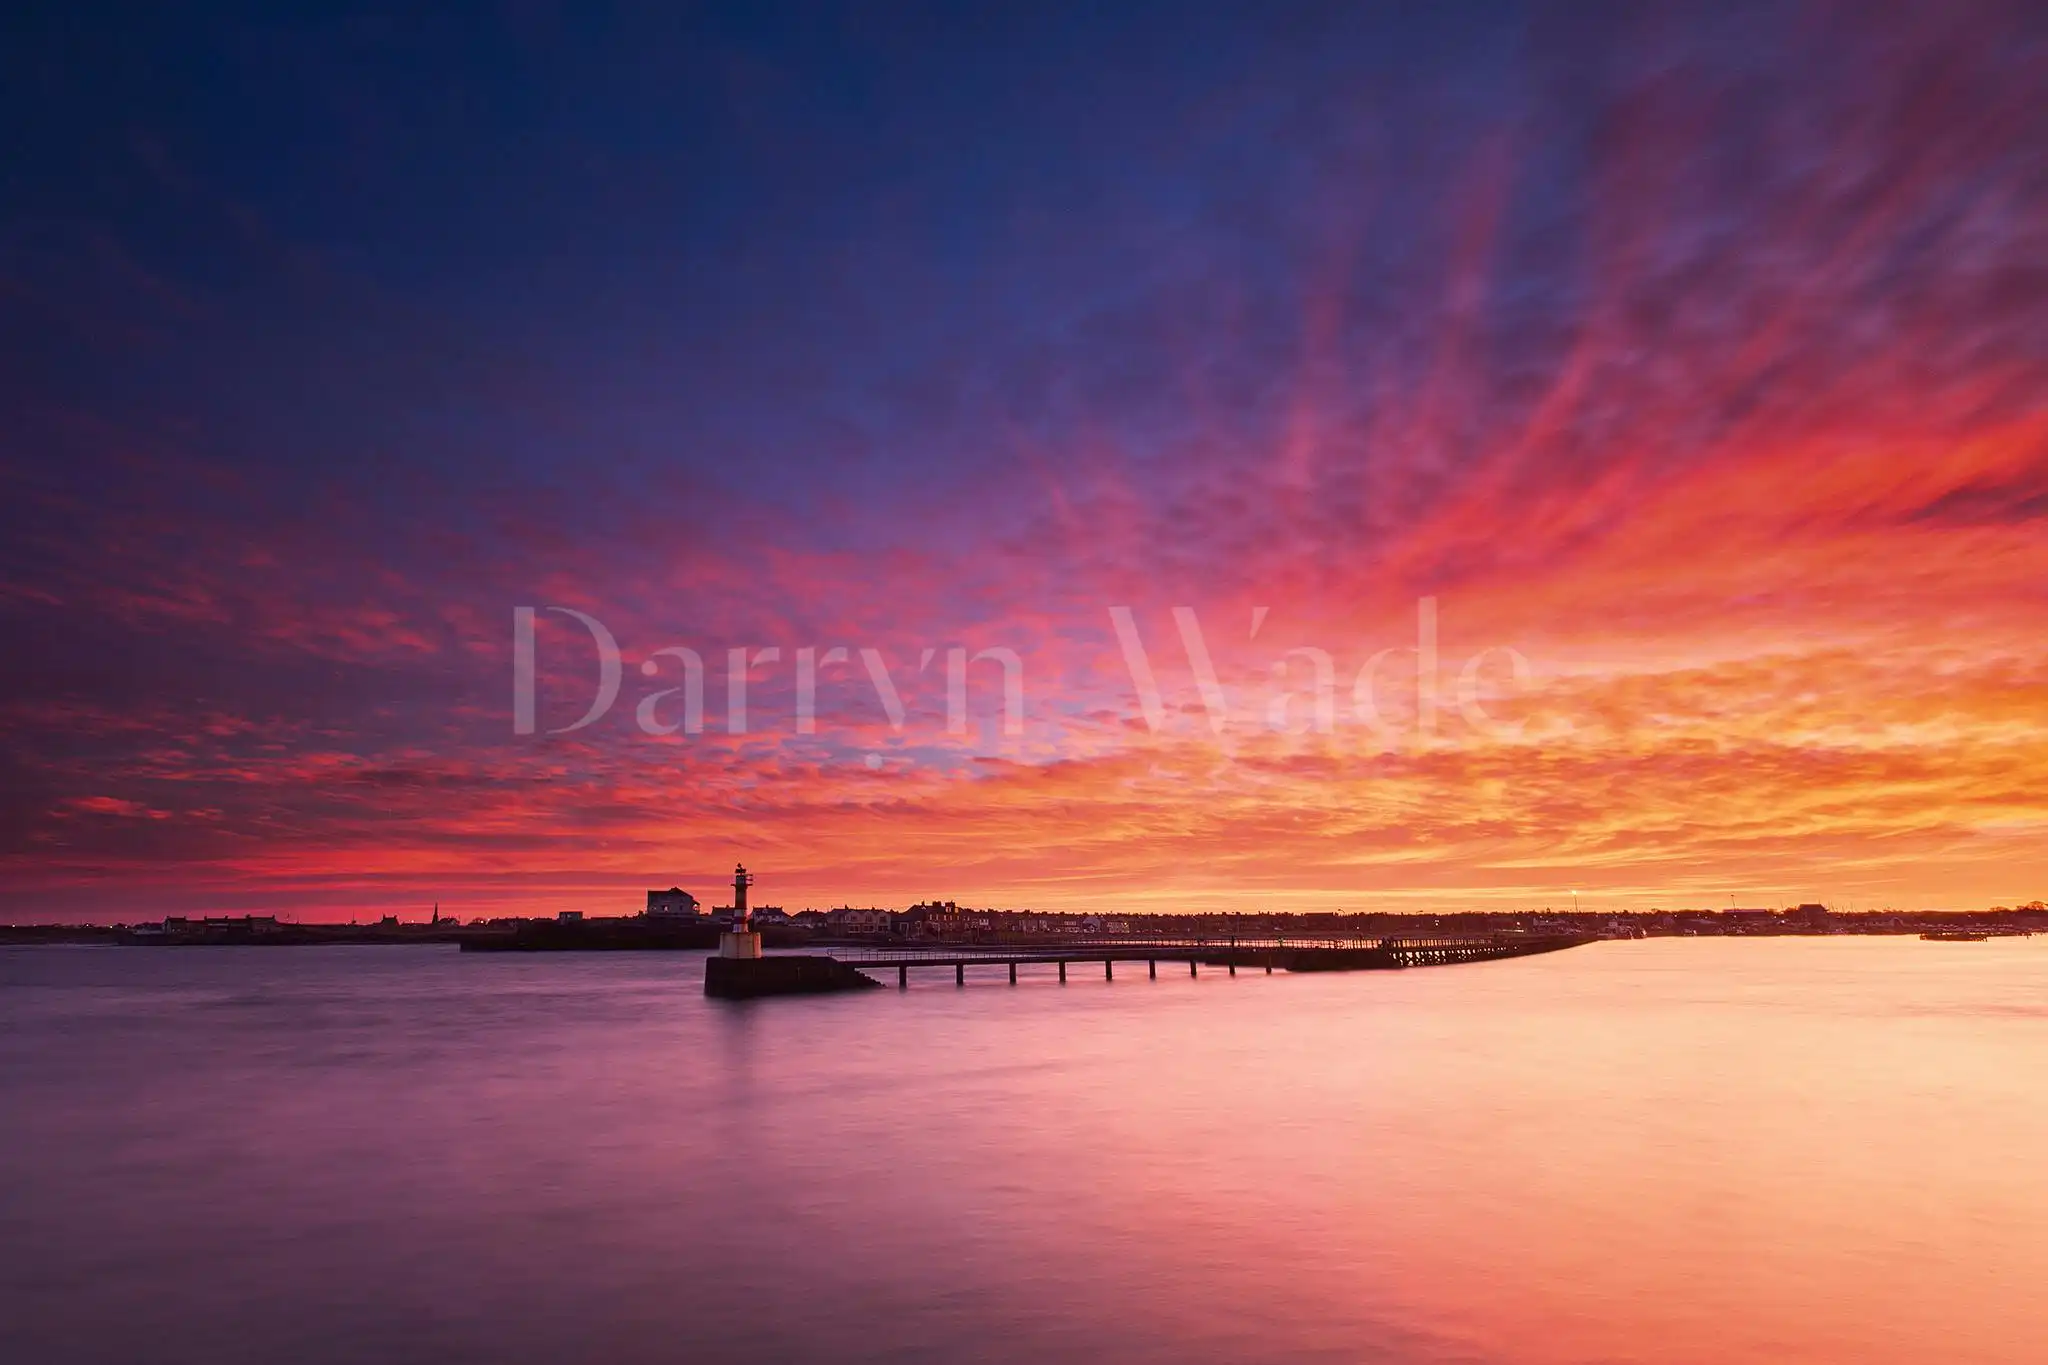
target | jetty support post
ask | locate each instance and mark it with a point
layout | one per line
(902, 978)
(959, 973)
(1063, 973)
(1013, 973)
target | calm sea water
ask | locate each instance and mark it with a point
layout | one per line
(1671, 1151)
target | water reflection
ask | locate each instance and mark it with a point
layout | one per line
(1672, 1151)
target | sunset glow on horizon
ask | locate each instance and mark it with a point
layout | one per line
(1687, 379)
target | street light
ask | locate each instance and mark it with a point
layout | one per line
(1575, 902)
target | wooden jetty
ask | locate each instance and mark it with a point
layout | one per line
(1327, 955)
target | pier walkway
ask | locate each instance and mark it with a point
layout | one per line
(1293, 955)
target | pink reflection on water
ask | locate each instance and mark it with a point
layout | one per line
(1672, 1151)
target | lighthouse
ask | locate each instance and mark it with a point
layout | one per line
(741, 940)
(739, 971)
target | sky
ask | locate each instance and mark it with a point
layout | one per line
(1408, 458)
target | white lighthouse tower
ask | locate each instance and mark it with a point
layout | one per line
(742, 940)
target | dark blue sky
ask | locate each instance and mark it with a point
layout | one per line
(811, 243)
